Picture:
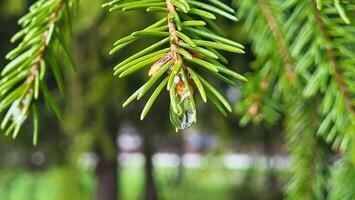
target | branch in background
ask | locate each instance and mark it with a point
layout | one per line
(278, 36)
(321, 44)
(332, 58)
(266, 24)
(342, 184)
(308, 166)
(273, 59)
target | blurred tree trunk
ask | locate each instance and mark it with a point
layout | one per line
(107, 175)
(100, 121)
(150, 186)
(268, 148)
(272, 182)
(180, 168)
(107, 171)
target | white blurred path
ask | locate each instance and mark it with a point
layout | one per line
(229, 161)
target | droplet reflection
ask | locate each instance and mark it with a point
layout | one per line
(187, 114)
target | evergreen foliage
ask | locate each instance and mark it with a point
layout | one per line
(305, 71)
(23, 80)
(303, 74)
(189, 44)
(342, 181)
(324, 47)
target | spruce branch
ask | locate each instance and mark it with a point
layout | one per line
(338, 6)
(23, 78)
(265, 23)
(330, 53)
(193, 43)
(279, 38)
(308, 165)
(46, 38)
(342, 185)
(322, 44)
(273, 64)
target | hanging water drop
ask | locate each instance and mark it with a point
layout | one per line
(186, 115)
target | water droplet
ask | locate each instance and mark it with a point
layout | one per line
(16, 110)
(187, 114)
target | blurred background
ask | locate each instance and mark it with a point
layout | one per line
(101, 151)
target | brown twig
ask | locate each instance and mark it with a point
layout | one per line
(276, 32)
(45, 35)
(333, 59)
(174, 42)
(174, 45)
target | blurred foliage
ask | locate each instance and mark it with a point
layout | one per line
(208, 183)
(55, 184)
(304, 72)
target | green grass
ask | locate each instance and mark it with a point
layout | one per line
(206, 184)
(62, 184)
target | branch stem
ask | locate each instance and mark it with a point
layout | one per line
(280, 40)
(174, 40)
(53, 17)
(333, 59)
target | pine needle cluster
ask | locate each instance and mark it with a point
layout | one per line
(189, 44)
(304, 71)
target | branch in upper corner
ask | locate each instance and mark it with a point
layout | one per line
(23, 79)
(333, 60)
